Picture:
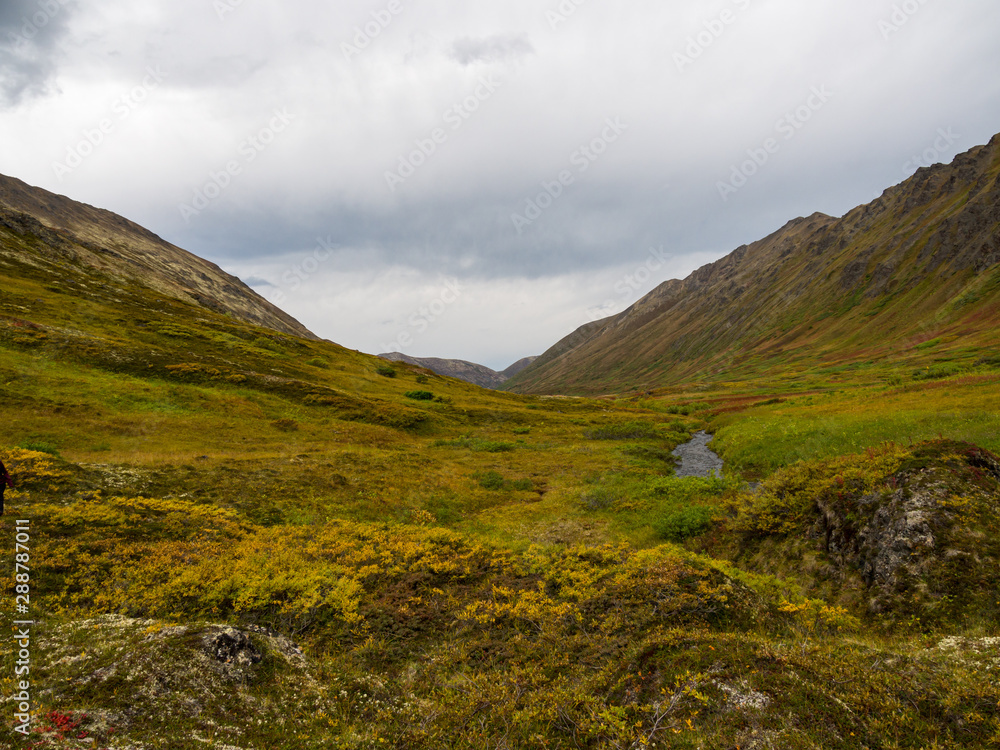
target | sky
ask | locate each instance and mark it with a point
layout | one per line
(476, 180)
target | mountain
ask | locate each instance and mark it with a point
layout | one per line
(515, 368)
(906, 281)
(470, 372)
(64, 229)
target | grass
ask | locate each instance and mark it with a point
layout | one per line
(847, 420)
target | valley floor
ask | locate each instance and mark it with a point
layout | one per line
(517, 574)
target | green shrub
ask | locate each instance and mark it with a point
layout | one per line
(993, 361)
(675, 490)
(492, 446)
(491, 480)
(649, 453)
(386, 371)
(599, 498)
(40, 447)
(937, 372)
(678, 524)
(476, 444)
(420, 395)
(624, 431)
(262, 342)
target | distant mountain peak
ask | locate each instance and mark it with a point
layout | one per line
(460, 369)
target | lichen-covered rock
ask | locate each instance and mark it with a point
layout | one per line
(920, 543)
(232, 646)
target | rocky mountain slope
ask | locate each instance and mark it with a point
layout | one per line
(60, 229)
(470, 372)
(917, 267)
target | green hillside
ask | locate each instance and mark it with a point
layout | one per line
(244, 538)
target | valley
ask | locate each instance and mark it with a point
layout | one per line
(243, 536)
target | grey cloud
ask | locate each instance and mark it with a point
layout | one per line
(418, 92)
(30, 31)
(256, 281)
(499, 48)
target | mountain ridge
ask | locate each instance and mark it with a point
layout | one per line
(470, 372)
(812, 288)
(113, 244)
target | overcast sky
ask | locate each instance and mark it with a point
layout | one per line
(476, 180)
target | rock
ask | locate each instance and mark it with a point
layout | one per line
(231, 646)
(921, 542)
(285, 646)
(927, 545)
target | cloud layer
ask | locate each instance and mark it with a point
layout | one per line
(534, 153)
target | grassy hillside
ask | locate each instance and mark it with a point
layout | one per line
(905, 287)
(246, 539)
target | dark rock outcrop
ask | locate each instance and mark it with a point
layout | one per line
(232, 646)
(927, 546)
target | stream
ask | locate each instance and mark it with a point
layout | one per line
(696, 459)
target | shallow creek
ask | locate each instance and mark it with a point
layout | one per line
(696, 459)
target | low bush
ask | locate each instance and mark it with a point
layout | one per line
(678, 524)
(491, 480)
(494, 480)
(635, 430)
(478, 445)
(937, 372)
(39, 446)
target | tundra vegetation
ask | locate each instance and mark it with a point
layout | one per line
(245, 539)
